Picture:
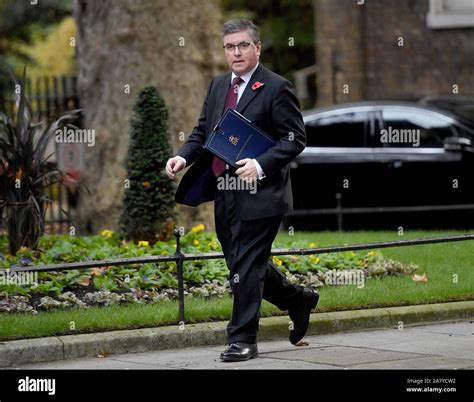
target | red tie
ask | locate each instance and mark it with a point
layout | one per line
(218, 166)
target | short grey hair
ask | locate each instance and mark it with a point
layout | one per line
(239, 25)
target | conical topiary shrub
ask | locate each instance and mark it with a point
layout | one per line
(148, 203)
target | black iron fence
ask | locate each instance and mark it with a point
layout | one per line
(48, 96)
(340, 211)
(179, 257)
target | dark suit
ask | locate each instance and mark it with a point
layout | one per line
(246, 221)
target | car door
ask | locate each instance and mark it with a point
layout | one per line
(334, 161)
(415, 168)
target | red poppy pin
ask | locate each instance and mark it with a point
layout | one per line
(257, 85)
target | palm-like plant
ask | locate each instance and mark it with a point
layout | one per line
(25, 170)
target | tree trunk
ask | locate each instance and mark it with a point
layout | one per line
(122, 45)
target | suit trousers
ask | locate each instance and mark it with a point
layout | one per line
(246, 245)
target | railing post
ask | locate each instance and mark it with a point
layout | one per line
(179, 264)
(339, 211)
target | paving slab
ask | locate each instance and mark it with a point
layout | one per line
(341, 356)
(438, 346)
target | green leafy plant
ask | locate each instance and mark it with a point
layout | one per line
(105, 282)
(168, 281)
(25, 170)
(50, 288)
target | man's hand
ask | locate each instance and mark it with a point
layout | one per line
(173, 166)
(247, 170)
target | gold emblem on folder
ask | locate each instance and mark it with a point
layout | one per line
(233, 139)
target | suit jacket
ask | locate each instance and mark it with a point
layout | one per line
(274, 108)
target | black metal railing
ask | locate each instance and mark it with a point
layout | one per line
(340, 211)
(49, 96)
(179, 257)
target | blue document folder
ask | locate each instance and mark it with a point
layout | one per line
(235, 138)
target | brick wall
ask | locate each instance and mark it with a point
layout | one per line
(357, 46)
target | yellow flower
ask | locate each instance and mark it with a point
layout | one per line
(212, 245)
(371, 253)
(196, 242)
(143, 243)
(277, 261)
(198, 228)
(106, 233)
(314, 259)
(312, 245)
(353, 254)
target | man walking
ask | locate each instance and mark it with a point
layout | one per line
(246, 221)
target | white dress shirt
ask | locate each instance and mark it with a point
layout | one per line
(246, 78)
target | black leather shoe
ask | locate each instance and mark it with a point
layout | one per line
(239, 352)
(300, 315)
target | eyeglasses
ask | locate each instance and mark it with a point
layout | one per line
(243, 46)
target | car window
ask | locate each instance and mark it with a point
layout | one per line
(341, 130)
(407, 128)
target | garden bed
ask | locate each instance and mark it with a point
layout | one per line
(154, 282)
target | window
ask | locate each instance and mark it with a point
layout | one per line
(450, 14)
(405, 128)
(341, 130)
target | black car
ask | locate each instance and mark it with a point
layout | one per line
(384, 165)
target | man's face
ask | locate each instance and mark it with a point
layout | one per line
(242, 61)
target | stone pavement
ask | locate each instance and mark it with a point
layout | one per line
(434, 346)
